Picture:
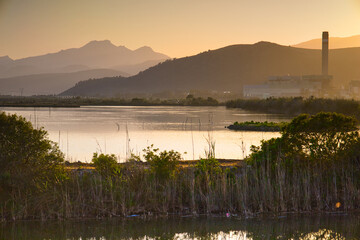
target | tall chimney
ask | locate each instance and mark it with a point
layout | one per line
(325, 53)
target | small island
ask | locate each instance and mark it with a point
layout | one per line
(257, 126)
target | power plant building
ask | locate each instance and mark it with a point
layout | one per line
(289, 86)
(294, 86)
(325, 53)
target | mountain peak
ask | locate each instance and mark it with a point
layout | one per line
(5, 59)
(145, 49)
(96, 43)
(265, 43)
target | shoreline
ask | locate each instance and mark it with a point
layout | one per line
(232, 216)
(234, 127)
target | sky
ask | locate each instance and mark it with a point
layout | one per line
(177, 28)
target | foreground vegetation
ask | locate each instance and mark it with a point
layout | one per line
(55, 101)
(257, 126)
(314, 166)
(298, 105)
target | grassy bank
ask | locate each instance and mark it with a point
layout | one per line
(55, 101)
(313, 167)
(257, 126)
(298, 105)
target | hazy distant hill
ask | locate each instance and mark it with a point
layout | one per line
(134, 69)
(227, 69)
(94, 55)
(50, 83)
(5, 60)
(334, 42)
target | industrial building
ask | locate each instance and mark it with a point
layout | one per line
(295, 86)
(289, 86)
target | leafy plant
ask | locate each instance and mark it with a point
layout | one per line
(321, 136)
(162, 164)
(106, 164)
(324, 136)
(210, 166)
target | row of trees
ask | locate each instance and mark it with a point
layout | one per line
(53, 101)
(298, 105)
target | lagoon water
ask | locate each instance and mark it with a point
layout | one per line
(121, 130)
(331, 226)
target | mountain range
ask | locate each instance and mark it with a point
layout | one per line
(226, 69)
(117, 70)
(50, 83)
(37, 75)
(94, 55)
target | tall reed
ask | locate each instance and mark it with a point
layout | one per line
(246, 190)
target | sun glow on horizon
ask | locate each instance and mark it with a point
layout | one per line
(175, 28)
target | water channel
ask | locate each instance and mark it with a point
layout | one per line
(123, 130)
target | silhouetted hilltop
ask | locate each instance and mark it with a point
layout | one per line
(50, 83)
(226, 69)
(334, 43)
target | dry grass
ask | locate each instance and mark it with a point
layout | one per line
(234, 187)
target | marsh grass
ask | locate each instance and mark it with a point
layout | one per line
(206, 188)
(307, 171)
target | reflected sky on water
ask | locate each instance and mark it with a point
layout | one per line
(82, 131)
(283, 227)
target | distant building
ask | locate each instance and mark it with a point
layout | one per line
(295, 86)
(289, 86)
(354, 88)
(325, 53)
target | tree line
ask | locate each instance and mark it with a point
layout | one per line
(298, 105)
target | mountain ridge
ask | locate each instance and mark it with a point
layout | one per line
(93, 55)
(50, 83)
(226, 69)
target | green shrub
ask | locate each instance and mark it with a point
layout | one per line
(268, 149)
(210, 166)
(162, 164)
(322, 137)
(106, 165)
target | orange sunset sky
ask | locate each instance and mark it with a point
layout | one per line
(175, 27)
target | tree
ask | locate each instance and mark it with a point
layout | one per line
(29, 161)
(323, 137)
(320, 136)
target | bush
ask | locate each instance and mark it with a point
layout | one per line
(163, 164)
(269, 149)
(322, 137)
(106, 165)
(210, 166)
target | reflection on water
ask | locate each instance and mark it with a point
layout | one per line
(82, 131)
(291, 227)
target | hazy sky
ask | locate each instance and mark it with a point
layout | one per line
(174, 27)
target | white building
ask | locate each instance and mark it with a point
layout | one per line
(288, 86)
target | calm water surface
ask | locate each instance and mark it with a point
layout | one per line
(82, 131)
(290, 227)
